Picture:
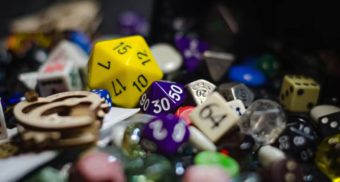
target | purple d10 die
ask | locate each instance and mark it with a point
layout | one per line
(192, 51)
(165, 134)
(104, 94)
(162, 97)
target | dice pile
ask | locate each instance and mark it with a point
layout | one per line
(187, 113)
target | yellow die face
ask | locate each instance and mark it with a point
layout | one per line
(125, 67)
(299, 93)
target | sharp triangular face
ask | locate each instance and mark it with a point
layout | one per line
(217, 63)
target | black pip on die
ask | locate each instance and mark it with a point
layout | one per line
(299, 93)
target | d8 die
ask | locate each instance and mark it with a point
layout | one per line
(162, 97)
(125, 67)
(167, 133)
(104, 94)
(233, 91)
(214, 117)
(299, 93)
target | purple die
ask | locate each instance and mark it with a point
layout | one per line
(104, 94)
(162, 97)
(192, 51)
(130, 23)
(166, 133)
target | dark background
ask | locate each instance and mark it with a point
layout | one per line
(312, 24)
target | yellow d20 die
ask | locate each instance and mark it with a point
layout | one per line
(125, 67)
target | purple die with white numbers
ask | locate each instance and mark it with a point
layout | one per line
(104, 94)
(166, 133)
(192, 51)
(162, 97)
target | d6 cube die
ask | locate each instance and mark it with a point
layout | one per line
(299, 93)
(104, 94)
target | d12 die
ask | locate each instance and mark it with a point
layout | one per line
(162, 97)
(168, 133)
(232, 91)
(214, 117)
(200, 89)
(264, 120)
(299, 139)
(104, 94)
(125, 67)
(299, 93)
(327, 118)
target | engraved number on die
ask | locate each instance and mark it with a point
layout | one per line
(161, 104)
(208, 113)
(118, 89)
(105, 66)
(161, 133)
(174, 92)
(143, 56)
(122, 48)
(141, 82)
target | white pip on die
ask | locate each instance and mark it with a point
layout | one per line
(214, 117)
(58, 74)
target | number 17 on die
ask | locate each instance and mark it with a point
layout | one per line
(125, 67)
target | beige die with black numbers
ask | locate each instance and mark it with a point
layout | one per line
(299, 93)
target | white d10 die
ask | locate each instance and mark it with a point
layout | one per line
(237, 106)
(214, 117)
(200, 90)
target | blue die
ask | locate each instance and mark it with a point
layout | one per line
(104, 94)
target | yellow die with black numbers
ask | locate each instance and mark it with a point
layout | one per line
(125, 67)
(299, 93)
